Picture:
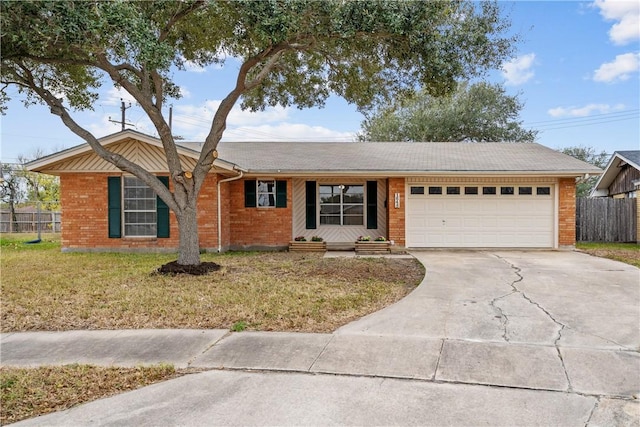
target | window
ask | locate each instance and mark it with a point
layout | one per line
(417, 190)
(453, 190)
(435, 190)
(525, 191)
(266, 193)
(543, 191)
(139, 208)
(341, 204)
(506, 191)
(470, 190)
(488, 190)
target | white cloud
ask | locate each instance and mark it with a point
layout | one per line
(518, 70)
(585, 111)
(116, 95)
(187, 117)
(193, 123)
(627, 13)
(287, 132)
(193, 67)
(184, 92)
(620, 69)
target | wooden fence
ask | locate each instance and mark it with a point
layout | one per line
(604, 219)
(28, 222)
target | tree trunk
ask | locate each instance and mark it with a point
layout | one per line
(189, 251)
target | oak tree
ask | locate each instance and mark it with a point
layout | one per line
(479, 112)
(589, 155)
(292, 52)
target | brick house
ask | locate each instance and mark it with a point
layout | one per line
(260, 195)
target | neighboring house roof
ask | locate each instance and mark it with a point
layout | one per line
(383, 158)
(618, 159)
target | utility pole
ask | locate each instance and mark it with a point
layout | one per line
(123, 109)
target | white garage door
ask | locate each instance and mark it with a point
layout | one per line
(480, 216)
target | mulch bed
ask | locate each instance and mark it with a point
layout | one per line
(201, 269)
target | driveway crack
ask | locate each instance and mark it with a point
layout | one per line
(593, 410)
(504, 319)
(518, 271)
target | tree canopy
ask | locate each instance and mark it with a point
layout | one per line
(589, 155)
(479, 112)
(294, 52)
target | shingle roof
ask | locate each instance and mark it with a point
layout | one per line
(383, 158)
(399, 157)
(632, 156)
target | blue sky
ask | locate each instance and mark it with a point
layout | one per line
(576, 69)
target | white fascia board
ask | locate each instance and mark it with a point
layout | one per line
(402, 174)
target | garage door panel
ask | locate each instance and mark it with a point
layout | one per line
(480, 221)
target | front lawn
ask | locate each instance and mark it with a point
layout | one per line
(625, 252)
(46, 290)
(27, 393)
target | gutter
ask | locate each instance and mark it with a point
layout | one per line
(233, 178)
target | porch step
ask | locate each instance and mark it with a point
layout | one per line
(341, 246)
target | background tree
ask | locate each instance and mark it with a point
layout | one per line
(589, 155)
(479, 112)
(290, 52)
(40, 188)
(11, 190)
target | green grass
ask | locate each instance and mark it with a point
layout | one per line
(628, 253)
(44, 289)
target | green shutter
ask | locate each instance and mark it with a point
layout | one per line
(310, 205)
(281, 194)
(250, 193)
(162, 212)
(372, 204)
(114, 196)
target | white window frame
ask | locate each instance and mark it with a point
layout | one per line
(264, 195)
(125, 211)
(341, 205)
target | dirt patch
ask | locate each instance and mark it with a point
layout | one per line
(173, 268)
(628, 256)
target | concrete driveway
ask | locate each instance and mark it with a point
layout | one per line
(534, 297)
(488, 338)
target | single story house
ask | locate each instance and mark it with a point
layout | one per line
(621, 180)
(261, 195)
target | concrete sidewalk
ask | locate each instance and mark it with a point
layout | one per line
(535, 367)
(260, 378)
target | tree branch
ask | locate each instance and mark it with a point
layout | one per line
(164, 33)
(122, 163)
(152, 110)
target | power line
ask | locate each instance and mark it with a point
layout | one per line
(597, 119)
(587, 124)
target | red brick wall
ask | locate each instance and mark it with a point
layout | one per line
(225, 205)
(271, 227)
(567, 212)
(85, 216)
(396, 222)
(208, 213)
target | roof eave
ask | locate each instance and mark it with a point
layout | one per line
(398, 174)
(40, 165)
(609, 174)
